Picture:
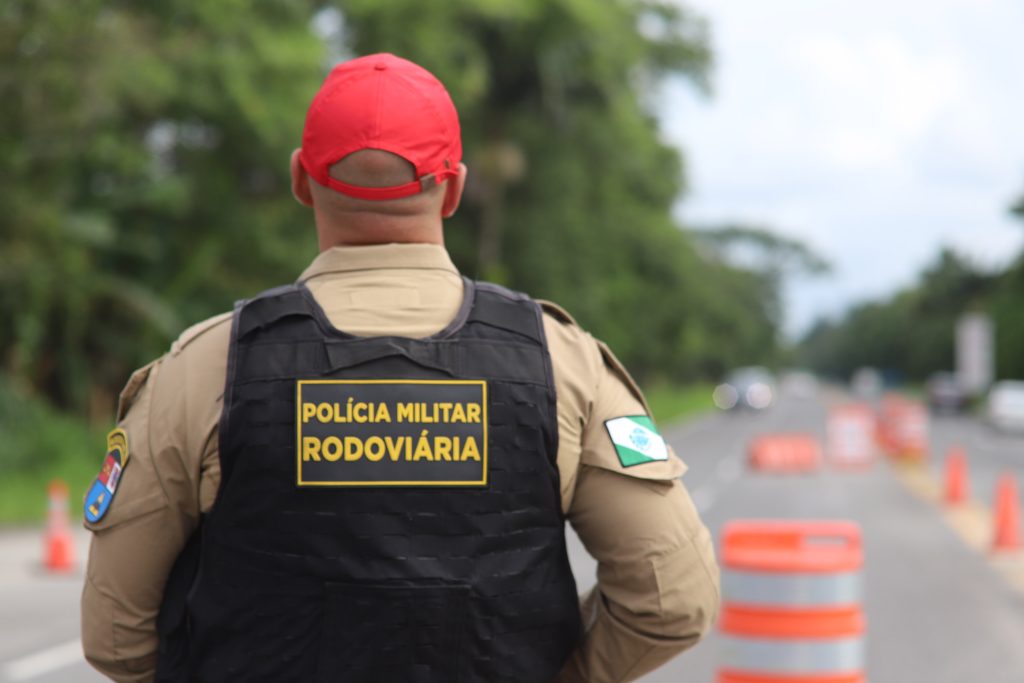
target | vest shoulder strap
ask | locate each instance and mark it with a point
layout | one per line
(507, 310)
(268, 307)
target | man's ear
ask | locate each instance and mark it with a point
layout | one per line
(453, 192)
(300, 181)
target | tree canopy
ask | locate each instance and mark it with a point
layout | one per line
(145, 152)
(145, 162)
(911, 334)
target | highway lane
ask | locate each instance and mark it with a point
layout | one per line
(39, 628)
(937, 611)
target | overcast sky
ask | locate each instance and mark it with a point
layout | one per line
(874, 131)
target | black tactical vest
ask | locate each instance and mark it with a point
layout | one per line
(389, 508)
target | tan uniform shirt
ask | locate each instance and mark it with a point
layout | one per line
(657, 589)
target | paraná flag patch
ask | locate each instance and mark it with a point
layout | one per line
(101, 493)
(636, 440)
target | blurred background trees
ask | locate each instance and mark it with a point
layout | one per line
(910, 334)
(145, 148)
(144, 158)
(144, 163)
(912, 331)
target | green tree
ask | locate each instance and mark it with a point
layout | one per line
(769, 257)
(911, 333)
(144, 149)
(1007, 313)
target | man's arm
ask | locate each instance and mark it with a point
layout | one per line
(169, 411)
(657, 590)
(658, 584)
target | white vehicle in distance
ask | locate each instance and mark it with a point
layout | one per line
(749, 387)
(1005, 408)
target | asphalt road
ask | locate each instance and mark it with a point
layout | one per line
(937, 611)
(39, 633)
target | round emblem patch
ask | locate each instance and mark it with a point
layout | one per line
(639, 438)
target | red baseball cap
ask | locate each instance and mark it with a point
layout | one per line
(388, 103)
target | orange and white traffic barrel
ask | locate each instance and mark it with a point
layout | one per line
(888, 415)
(851, 436)
(785, 453)
(903, 429)
(910, 432)
(791, 603)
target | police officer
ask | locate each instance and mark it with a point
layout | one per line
(364, 476)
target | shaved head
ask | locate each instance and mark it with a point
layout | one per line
(377, 168)
(342, 219)
(373, 168)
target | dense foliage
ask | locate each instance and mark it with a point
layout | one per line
(144, 155)
(911, 334)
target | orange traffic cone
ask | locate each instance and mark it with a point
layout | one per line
(60, 547)
(1007, 522)
(956, 476)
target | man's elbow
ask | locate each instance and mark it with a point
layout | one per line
(97, 630)
(689, 591)
(687, 622)
(105, 661)
(135, 661)
(100, 657)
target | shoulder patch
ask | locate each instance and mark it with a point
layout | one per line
(556, 312)
(197, 330)
(636, 440)
(104, 486)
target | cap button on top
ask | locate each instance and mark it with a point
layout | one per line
(380, 66)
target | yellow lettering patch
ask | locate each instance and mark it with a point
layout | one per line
(391, 432)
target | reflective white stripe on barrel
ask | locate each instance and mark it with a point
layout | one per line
(791, 589)
(791, 602)
(785, 656)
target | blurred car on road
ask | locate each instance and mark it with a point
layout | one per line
(750, 387)
(1005, 409)
(945, 395)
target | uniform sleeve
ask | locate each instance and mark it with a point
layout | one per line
(169, 411)
(657, 586)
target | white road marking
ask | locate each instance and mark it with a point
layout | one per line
(45, 661)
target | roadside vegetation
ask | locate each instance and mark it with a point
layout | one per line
(146, 188)
(672, 403)
(912, 332)
(39, 443)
